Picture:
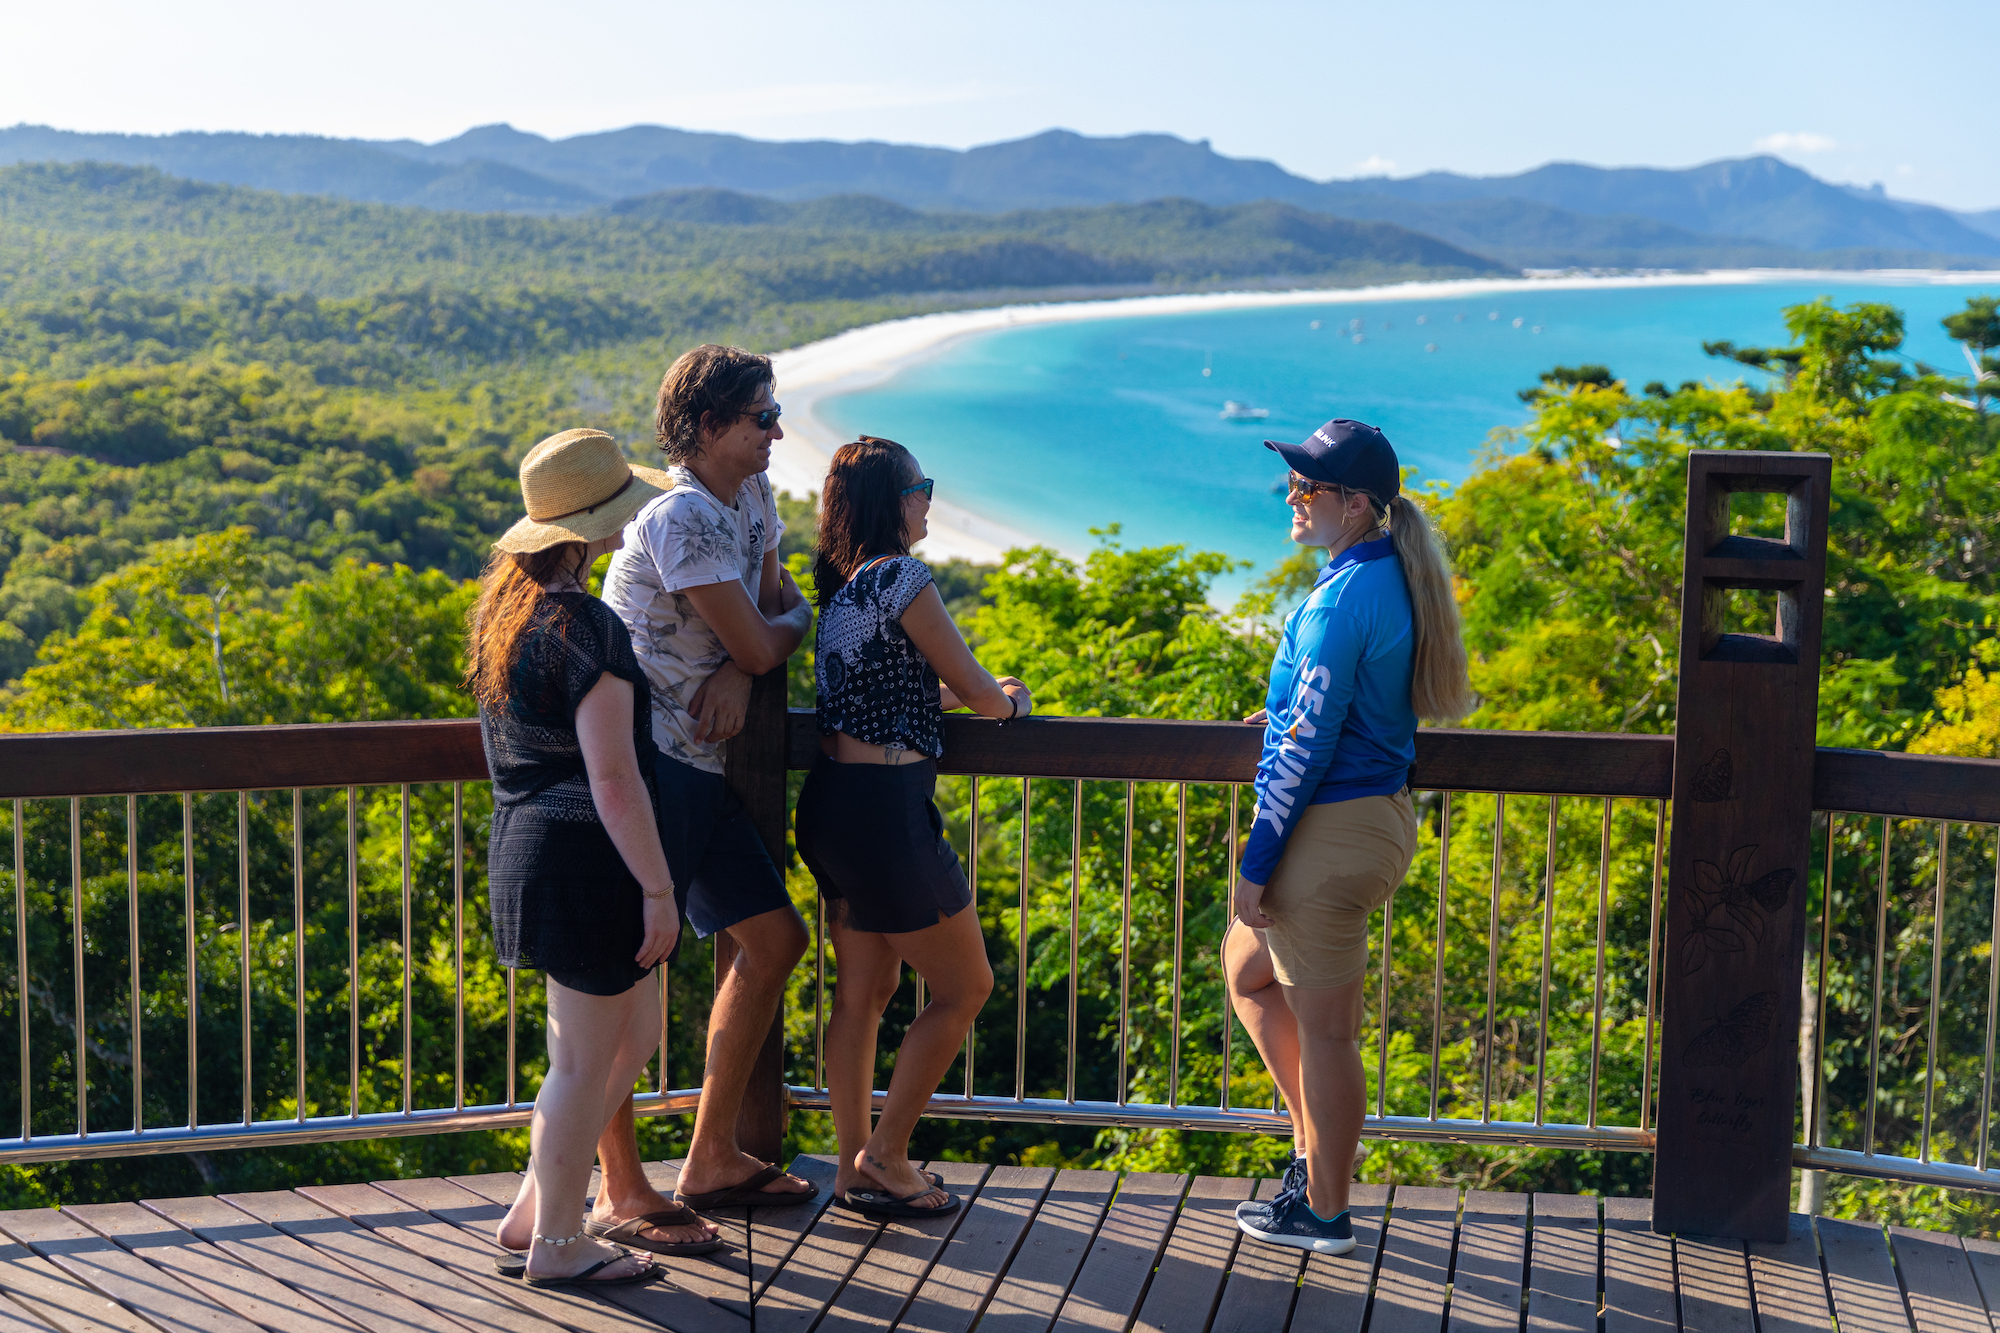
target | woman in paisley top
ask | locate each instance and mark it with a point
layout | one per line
(889, 660)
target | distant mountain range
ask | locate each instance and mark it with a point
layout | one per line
(1750, 211)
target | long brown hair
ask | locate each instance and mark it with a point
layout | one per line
(860, 511)
(510, 596)
(1440, 688)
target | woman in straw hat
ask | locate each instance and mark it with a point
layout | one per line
(578, 883)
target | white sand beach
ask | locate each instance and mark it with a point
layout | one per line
(863, 358)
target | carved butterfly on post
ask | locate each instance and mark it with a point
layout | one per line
(1731, 1041)
(1712, 779)
(1730, 893)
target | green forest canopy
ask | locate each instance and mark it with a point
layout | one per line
(258, 494)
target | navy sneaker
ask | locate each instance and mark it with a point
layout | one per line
(1290, 1221)
(1293, 1179)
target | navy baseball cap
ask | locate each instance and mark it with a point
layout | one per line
(1346, 453)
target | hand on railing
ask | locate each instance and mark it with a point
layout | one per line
(1260, 717)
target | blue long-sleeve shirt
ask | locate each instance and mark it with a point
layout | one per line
(1340, 723)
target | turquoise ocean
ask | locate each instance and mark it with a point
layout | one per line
(1058, 429)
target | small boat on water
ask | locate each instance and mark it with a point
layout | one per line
(1235, 411)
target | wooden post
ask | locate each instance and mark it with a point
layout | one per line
(754, 762)
(1736, 896)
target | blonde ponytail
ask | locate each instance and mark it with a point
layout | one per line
(1440, 690)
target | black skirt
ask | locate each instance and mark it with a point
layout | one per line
(873, 838)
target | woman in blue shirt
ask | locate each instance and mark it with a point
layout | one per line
(1375, 645)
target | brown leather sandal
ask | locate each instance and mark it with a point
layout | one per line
(751, 1193)
(627, 1232)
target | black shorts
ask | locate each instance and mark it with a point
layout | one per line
(600, 980)
(722, 873)
(873, 838)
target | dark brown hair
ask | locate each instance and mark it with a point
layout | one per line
(707, 386)
(860, 511)
(510, 593)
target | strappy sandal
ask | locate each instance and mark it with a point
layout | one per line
(588, 1278)
(627, 1233)
(750, 1194)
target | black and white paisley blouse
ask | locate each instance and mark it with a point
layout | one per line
(873, 683)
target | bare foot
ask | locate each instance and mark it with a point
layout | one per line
(709, 1177)
(559, 1261)
(897, 1175)
(605, 1213)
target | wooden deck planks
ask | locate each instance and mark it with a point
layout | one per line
(1333, 1297)
(1943, 1294)
(38, 1290)
(275, 1260)
(900, 1258)
(1488, 1273)
(1188, 1283)
(973, 1260)
(429, 1285)
(1028, 1297)
(1263, 1282)
(1562, 1264)
(1715, 1285)
(1416, 1261)
(156, 1296)
(1983, 1257)
(1866, 1296)
(1639, 1294)
(1112, 1281)
(209, 1270)
(1786, 1280)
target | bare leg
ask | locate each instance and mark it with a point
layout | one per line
(1333, 1089)
(869, 971)
(587, 1034)
(951, 958)
(624, 1191)
(1259, 1002)
(770, 946)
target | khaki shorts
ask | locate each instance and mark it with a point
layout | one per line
(1343, 860)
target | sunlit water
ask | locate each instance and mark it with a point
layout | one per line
(1058, 429)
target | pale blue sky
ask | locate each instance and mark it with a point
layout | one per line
(1853, 91)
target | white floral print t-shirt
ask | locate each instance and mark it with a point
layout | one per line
(687, 539)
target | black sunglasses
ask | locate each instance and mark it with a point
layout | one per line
(927, 486)
(766, 418)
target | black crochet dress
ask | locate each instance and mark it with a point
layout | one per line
(561, 896)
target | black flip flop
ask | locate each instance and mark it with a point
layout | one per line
(588, 1277)
(511, 1263)
(882, 1204)
(750, 1193)
(628, 1233)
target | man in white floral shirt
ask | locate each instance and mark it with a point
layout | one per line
(699, 585)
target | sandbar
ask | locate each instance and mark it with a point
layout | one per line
(863, 358)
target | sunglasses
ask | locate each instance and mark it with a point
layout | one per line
(926, 486)
(766, 418)
(1300, 490)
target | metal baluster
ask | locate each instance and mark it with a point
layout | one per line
(193, 991)
(21, 970)
(1875, 992)
(243, 934)
(354, 963)
(1652, 948)
(666, 1016)
(1437, 980)
(1382, 1046)
(1937, 988)
(1493, 952)
(1992, 1004)
(1819, 1025)
(1075, 923)
(458, 945)
(406, 947)
(1228, 902)
(299, 944)
(1548, 939)
(1597, 993)
(1021, 963)
(511, 1100)
(76, 967)
(1180, 924)
(132, 948)
(972, 882)
(819, 994)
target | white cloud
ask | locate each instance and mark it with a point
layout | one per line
(1373, 165)
(1905, 169)
(1787, 141)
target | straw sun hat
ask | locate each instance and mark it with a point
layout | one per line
(578, 488)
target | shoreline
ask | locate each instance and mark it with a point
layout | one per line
(865, 357)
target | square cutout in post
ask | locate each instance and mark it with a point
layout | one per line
(1747, 519)
(1749, 624)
